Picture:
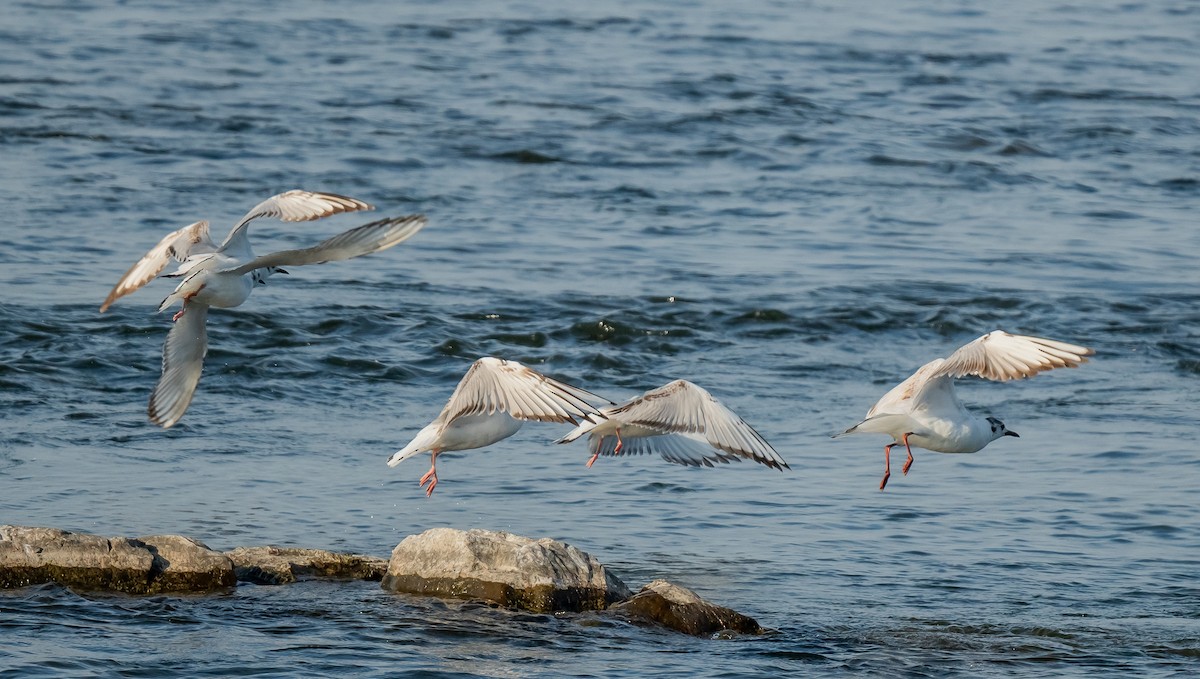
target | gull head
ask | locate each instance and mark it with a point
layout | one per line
(260, 276)
(999, 430)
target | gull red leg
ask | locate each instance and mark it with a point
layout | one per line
(909, 461)
(431, 475)
(616, 450)
(887, 464)
(186, 298)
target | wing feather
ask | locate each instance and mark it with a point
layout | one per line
(178, 245)
(675, 448)
(356, 242)
(182, 363)
(292, 206)
(683, 408)
(1002, 357)
(494, 384)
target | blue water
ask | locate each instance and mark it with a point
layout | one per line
(794, 205)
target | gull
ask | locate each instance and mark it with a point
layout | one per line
(490, 403)
(218, 278)
(192, 247)
(681, 422)
(187, 342)
(924, 410)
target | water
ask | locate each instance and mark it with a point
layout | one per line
(792, 204)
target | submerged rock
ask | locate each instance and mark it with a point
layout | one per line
(273, 565)
(510, 570)
(678, 608)
(149, 565)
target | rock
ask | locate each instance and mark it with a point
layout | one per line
(150, 565)
(510, 570)
(273, 565)
(30, 556)
(667, 604)
(186, 565)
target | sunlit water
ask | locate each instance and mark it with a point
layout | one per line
(792, 204)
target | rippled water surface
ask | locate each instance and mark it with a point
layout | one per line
(792, 204)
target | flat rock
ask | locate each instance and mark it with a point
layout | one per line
(664, 603)
(148, 565)
(273, 565)
(510, 570)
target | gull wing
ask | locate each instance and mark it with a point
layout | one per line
(995, 356)
(1002, 357)
(290, 206)
(494, 384)
(356, 242)
(900, 399)
(183, 359)
(689, 450)
(684, 408)
(191, 239)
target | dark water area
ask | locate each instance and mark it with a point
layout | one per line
(794, 205)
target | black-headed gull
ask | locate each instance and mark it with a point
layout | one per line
(681, 422)
(489, 404)
(925, 412)
(218, 278)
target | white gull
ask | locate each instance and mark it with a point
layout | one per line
(489, 404)
(925, 412)
(224, 277)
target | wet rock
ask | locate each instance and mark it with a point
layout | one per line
(665, 603)
(510, 570)
(30, 556)
(149, 565)
(185, 565)
(273, 565)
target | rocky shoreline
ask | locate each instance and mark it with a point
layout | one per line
(543, 576)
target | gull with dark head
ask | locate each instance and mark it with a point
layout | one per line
(490, 404)
(223, 276)
(924, 411)
(681, 422)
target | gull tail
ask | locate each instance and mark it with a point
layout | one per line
(880, 424)
(188, 286)
(583, 428)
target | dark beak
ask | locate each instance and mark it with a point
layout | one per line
(1012, 433)
(285, 272)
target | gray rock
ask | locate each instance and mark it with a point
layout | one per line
(151, 565)
(667, 604)
(510, 570)
(186, 565)
(273, 565)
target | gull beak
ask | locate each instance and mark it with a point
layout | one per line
(1012, 433)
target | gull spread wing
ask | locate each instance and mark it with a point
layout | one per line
(291, 206)
(995, 356)
(684, 408)
(1001, 356)
(183, 359)
(191, 239)
(494, 384)
(356, 242)
(685, 449)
